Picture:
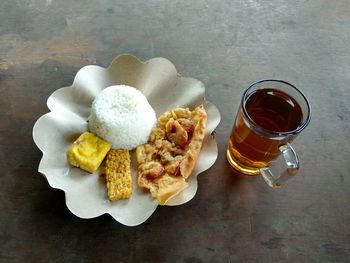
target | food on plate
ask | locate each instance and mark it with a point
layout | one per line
(118, 174)
(121, 119)
(170, 155)
(122, 116)
(88, 152)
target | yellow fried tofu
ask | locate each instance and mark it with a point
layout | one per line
(88, 152)
(118, 174)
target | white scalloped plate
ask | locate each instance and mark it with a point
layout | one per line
(69, 107)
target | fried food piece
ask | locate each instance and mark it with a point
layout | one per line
(118, 175)
(88, 152)
(170, 155)
(167, 187)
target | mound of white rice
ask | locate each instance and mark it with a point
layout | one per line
(122, 116)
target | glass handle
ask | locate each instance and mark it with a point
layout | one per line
(283, 170)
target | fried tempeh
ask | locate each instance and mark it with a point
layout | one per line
(118, 174)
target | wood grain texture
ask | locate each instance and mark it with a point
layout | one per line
(225, 44)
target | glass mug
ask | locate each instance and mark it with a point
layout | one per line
(272, 113)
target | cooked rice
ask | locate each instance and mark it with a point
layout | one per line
(122, 116)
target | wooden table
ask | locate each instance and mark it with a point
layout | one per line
(227, 45)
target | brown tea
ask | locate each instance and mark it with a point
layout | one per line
(271, 111)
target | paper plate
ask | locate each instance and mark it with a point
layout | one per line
(69, 107)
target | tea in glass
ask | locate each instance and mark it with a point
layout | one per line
(271, 114)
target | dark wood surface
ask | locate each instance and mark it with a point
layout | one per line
(225, 44)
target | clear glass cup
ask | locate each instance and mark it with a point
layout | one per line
(272, 113)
